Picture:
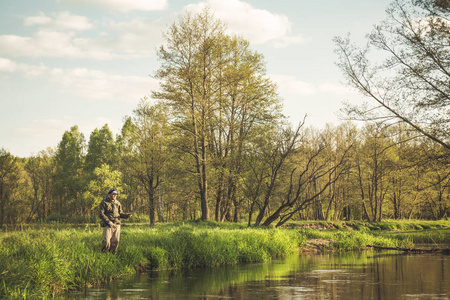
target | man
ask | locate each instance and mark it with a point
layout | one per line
(110, 213)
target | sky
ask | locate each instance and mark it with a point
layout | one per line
(89, 62)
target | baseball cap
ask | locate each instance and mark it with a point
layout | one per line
(112, 191)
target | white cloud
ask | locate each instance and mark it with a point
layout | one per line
(285, 41)
(60, 21)
(291, 85)
(7, 65)
(257, 25)
(44, 128)
(60, 34)
(53, 44)
(119, 5)
(336, 89)
(135, 39)
(138, 37)
(91, 84)
(61, 44)
(99, 85)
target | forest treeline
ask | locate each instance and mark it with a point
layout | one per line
(211, 143)
(338, 173)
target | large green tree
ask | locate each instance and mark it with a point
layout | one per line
(189, 65)
(217, 90)
(246, 102)
(69, 161)
(100, 150)
(150, 154)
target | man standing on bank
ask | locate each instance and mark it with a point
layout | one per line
(110, 213)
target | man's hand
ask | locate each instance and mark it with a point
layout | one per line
(112, 225)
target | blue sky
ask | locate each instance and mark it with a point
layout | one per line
(88, 62)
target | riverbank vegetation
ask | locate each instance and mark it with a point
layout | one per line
(46, 261)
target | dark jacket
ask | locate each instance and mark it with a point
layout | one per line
(111, 210)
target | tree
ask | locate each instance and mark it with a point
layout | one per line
(40, 170)
(314, 168)
(339, 202)
(217, 91)
(69, 160)
(374, 166)
(125, 147)
(404, 158)
(9, 183)
(103, 178)
(187, 74)
(151, 133)
(282, 148)
(433, 182)
(247, 102)
(412, 84)
(100, 149)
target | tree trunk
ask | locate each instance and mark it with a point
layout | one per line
(151, 202)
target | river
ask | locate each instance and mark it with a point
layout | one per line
(354, 275)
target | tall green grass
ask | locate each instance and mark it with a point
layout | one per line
(402, 225)
(432, 237)
(44, 263)
(348, 240)
(385, 225)
(409, 231)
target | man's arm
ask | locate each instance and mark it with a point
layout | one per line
(125, 216)
(122, 214)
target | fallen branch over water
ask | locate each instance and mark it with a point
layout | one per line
(414, 250)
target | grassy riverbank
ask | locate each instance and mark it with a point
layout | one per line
(37, 263)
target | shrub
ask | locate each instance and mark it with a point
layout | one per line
(56, 217)
(157, 258)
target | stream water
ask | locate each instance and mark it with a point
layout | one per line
(356, 275)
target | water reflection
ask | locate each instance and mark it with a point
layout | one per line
(328, 276)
